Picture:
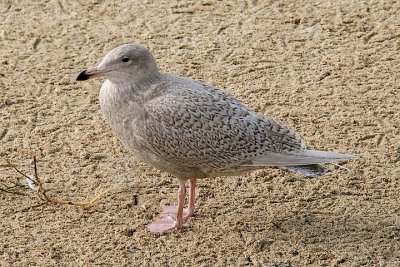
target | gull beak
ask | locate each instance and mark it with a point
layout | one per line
(90, 73)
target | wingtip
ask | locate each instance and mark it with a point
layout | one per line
(329, 155)
(348, 156)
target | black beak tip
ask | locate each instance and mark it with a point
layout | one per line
(83, 76)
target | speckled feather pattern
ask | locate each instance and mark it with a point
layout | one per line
(189, 124)
(193, 130)
(199, 126)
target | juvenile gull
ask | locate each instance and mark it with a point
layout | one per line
(192, 130)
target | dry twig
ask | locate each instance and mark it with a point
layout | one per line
(35, 183)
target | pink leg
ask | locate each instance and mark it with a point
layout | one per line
(167, 223)
(181, 202)
(187, 213)
(192, 198)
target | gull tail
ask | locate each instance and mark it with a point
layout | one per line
(318, 156)
(315, 169)
(299, 158)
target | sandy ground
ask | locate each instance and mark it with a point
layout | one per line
(329, 69)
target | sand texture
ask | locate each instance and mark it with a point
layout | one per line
(329, 69)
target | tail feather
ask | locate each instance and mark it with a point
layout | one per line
(305, 157)
(328, 155)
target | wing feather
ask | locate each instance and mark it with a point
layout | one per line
(197, 125)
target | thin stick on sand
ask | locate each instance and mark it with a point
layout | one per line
(36, 184)
(12, 187)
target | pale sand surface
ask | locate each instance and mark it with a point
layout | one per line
(330, 69)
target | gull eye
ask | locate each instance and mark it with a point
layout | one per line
(125, 59)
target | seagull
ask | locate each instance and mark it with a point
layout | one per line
(192, 130)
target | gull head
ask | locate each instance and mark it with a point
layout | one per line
(125, 65)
